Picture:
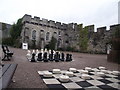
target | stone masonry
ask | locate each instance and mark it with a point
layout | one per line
(67, 35)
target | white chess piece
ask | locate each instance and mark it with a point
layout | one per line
(45, 50)
(33, 51)
(59, 52)
(42, 51)
(49, 51)
(28, 55)
(37, 52)
(54, 53)
(64, 78)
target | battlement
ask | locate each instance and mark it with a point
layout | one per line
(70, 26)
(45, 22)
(26, 17)
(90, 28)
(101, 30)
(112, 27)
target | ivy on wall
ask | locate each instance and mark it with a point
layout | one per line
(83, 38)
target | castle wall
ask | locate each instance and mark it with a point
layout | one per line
(67, 35)
(40, 25)
(6, 31)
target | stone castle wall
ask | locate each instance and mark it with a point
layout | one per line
(67, 35)
(6, 30)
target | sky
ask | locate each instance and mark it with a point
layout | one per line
(98, 12)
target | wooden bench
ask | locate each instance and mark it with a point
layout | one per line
(8, 71)
(7, 53)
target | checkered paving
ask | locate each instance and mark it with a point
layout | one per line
(109, 81)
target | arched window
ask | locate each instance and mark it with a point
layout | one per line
(55, 34)
(47, 35)
(33, 34)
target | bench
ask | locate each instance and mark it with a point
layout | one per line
(7, 53)
(8, 71)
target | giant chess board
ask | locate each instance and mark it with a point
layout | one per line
(98, 79)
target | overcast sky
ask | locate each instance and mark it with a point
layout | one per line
(97, 12)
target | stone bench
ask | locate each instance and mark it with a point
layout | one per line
(8, 71)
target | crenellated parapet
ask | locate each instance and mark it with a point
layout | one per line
(26, 18)
(49, 23)
(101, 31)
(90, 28)
(43, 22)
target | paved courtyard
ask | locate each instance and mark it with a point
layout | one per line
(26, 75)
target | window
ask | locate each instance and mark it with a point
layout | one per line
(42, 30)
(59, 33)
(55, 34)
(47, 35)
(34, 35)
(42, 34)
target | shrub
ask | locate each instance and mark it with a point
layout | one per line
(8, 41)
(52, 44)
(70, 48)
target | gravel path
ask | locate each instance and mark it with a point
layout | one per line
(26, 75)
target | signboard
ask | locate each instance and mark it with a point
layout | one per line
(25, 46)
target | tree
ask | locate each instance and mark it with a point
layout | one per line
(15, 31)
(52, 43)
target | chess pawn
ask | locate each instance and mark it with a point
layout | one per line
(42, 51)
(46, 50)
(67, 57)
(39, 57)
(54, 52)
(62, 57)
(28, 55)
(33, 57)
(49, 51)
(37, 52)
(49, 54)
(45, 57)
(33, 51)
(57, 57)
(70, 57)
